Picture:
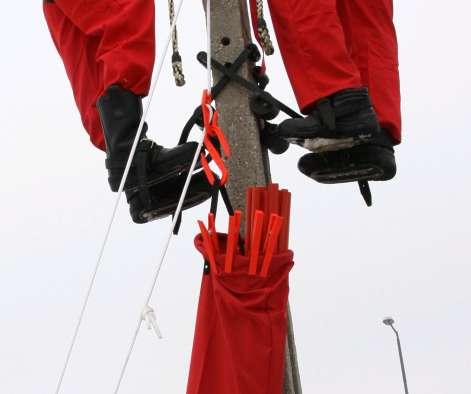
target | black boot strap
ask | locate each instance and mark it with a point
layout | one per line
(141, 162)
(326, 113)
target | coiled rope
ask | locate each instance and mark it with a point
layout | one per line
(263, 32)
(177, 66)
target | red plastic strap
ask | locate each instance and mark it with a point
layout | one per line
(211, 125)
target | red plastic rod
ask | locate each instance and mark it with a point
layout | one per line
(255, 241)
(232, 239)
(271, 242)
(285, 207)
(248, 219)
(212, 231)
(208, 245)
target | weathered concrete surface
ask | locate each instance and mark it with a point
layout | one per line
(249, 163)
(230, 20)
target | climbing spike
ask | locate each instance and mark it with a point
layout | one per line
(366, 192)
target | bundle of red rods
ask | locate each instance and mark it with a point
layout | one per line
(266, 229)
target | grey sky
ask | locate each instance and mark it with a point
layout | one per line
(407, 257)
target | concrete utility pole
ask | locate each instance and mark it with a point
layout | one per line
(249, 164)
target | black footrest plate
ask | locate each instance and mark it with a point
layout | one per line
(361, 163)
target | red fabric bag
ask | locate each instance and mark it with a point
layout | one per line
(241, 325)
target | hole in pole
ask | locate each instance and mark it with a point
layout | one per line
(225, 41)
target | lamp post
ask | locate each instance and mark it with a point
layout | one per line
(389, 321)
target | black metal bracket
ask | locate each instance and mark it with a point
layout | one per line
(232, 75)
(250, 53)
(263, 104)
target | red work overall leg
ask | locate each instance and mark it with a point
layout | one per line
(372, 43)
(101, 43)
(331, 45)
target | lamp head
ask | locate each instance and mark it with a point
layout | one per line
(389, 321)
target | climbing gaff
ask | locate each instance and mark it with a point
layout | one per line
(241, 323)
(366, 192)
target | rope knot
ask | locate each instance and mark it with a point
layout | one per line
(148, 315)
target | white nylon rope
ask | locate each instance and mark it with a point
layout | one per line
(177, 212)
(118, 198)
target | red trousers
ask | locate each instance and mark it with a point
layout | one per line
(327, 46)
(103, 42)
(330, 45)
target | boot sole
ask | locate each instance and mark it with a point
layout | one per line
(361, 163)
(320, 145)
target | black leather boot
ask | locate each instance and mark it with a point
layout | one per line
(342, 120)
(155, 171)
(120, 113)
(346, 139)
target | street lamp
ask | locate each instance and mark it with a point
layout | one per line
(389, 321)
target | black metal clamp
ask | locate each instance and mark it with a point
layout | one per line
(263, 104)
